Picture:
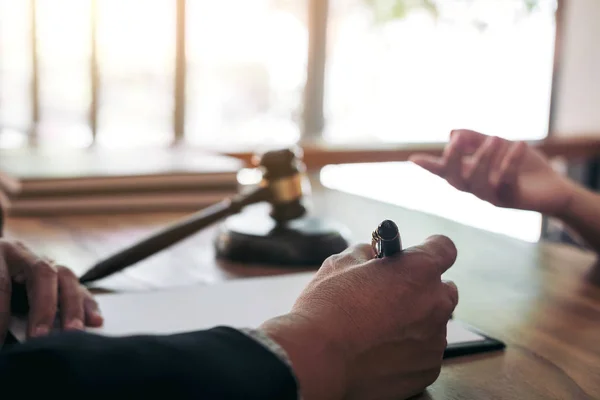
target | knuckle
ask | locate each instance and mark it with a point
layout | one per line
(492, 143)
(331, 261)
(44, 268)
(352, 256)
(66, 273)
(363, 250)
(456, 141)
(357, 251)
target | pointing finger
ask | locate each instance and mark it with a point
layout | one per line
(498, 157)
(430, 163)
(452, 159)
(512, 162)
(478, 177)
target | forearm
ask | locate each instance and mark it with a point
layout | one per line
(582, 215)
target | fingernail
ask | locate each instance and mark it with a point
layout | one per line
(97, 315)
(76, 324)
(91, 307)
(41, 330)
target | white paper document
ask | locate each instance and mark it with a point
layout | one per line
(242, 303)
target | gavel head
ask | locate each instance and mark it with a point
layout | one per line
(283, 175)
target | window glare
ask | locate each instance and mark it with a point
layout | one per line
(421, 191)
(484, 65)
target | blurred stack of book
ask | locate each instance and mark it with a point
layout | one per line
(34, 183)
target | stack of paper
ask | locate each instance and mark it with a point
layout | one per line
(36, 182)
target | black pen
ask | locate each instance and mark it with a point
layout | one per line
(386, 239)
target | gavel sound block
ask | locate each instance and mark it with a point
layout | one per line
(289, 237)
(286, 236)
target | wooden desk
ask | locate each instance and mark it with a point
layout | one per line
(535, 297)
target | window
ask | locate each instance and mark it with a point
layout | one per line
(75, 72)
(15, 72)
(63, 85)
(246, 63)
(136, 71)
(411, 75)
(133, 72)
(241, 74)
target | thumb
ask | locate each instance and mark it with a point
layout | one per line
(430, 163)
(440, 249)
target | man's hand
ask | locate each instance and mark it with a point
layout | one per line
(50, 288)
(504, 173)
(369, 328)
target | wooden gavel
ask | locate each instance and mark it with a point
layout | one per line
(281, 186)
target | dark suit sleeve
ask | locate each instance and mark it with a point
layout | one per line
(219, 363)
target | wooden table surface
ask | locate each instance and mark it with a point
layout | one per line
(540, 299)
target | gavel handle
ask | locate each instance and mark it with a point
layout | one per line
(171, 235)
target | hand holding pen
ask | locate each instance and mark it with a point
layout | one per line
(390, 313)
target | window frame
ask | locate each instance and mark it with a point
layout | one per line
(313, 121)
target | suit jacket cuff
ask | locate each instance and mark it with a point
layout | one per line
(275, 348)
